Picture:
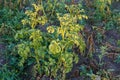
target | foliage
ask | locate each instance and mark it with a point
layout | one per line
(118, 43)
(118, 59)
(6, 74)
(45, 38)
(9, 23)
(17, 4)
(113, 22)
(102, 8)
(52, 50)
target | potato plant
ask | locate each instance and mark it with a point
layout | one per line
(52, 51)
(102, 8)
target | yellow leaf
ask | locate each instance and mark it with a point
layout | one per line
(54, 47)
(50, 29)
